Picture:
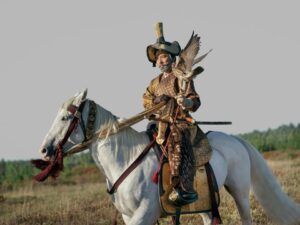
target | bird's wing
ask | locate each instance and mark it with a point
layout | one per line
(199, 59)
(189, 53)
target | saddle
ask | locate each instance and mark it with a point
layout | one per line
(205, 182)
(201, 185)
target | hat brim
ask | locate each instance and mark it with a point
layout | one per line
(172, 48)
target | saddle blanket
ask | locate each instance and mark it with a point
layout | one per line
(203, 204)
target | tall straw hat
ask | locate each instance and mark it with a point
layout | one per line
(171, 48)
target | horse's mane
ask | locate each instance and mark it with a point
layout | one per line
(126, 143)
(106, 118)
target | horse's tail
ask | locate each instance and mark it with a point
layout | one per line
(277, 205)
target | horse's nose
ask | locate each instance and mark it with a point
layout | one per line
(47, 151)
(44, 152)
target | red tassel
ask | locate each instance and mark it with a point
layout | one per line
(45, 173)
(115, 218)
(154, 177)
(49, 168)
(40, 164)
(216, 221)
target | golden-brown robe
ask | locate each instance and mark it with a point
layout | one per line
(180, 156)
(170, 88)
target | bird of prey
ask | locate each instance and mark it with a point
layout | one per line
(183, 69)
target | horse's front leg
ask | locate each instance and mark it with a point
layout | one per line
(126, 218)
(147, 214)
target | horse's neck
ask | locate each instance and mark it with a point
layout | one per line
(114, 153)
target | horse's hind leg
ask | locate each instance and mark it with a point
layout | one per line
(243, 205)
(238, 181)
(206, 217)
(241, 198)
(240, 194)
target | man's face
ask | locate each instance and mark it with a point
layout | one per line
(164, 62)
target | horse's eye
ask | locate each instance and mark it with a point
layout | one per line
(64, 118)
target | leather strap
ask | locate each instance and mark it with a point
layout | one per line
(214, 206)
(176, 218)
(131, 167)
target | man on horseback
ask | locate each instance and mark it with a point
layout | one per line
(176, 132)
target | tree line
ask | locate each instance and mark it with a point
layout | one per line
(13, 173)
(282, 138)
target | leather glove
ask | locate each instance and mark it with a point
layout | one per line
(184, 102)
(161, 98)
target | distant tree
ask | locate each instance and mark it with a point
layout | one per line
(2, 170)
(282, 138)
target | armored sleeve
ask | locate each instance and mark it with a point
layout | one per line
(192, 94)
(149, 95)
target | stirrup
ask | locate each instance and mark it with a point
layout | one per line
(179, 197)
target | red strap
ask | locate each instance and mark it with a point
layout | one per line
(115, 217)
(72, 109)
(131, 167)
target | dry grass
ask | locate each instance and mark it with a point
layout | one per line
(88, 203)
(63, 204)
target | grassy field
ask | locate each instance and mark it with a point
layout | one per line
(82, 202)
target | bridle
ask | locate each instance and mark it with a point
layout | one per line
(56, 165)
(53, 167)
(88, 129)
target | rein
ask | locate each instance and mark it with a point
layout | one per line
(136, 162)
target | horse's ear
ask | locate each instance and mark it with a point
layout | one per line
(80, 97)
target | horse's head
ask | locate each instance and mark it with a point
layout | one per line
(64, 131)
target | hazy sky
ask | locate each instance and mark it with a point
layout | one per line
(49, 50)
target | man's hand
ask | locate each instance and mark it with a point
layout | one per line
(161, 98)
(184, 102)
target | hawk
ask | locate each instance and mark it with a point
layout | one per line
(183, 68)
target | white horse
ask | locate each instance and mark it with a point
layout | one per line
(237, 166)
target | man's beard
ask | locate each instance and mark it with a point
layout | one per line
(165, 68)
